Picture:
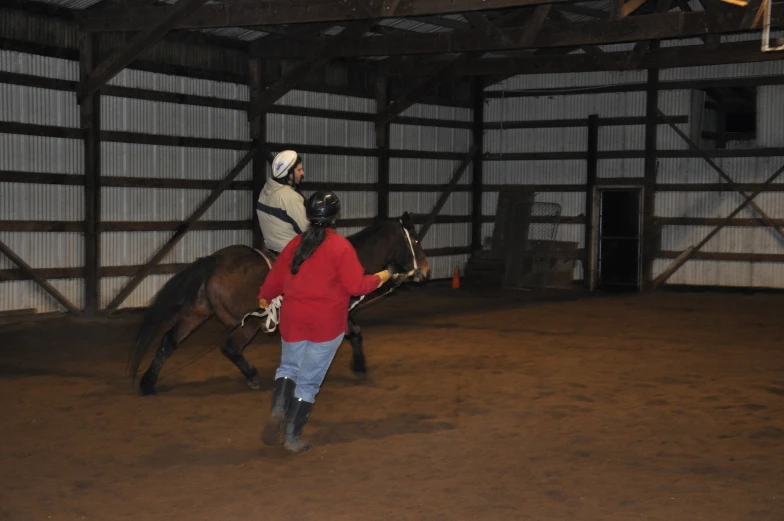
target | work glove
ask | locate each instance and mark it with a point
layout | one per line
(263, 304)
(384, 276)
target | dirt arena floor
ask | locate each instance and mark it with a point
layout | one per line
(510, 406)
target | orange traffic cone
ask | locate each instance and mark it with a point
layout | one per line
(456, 279)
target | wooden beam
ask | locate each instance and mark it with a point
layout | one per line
(382, 144)
(481, 23)
(299, 73)
(642, 48)
(445, 72)
(28, 270)
(437, 76)
(245, 13)
(90, 119)
(669, 57)
(583, 10)
(650, 239)
(476, 184)
(449, 189)
(123, 56)
(689, 252)
(182, 230)
(591, 168)
(656, 26)
(258, 133)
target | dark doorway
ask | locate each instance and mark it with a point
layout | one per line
(619, 239)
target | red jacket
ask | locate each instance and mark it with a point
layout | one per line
(316, 299)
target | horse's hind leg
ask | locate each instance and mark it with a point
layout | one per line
(354, 337)
(233, 346)
(173, 337)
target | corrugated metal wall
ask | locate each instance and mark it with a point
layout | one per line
(679, 170)
(434, 171)
(38, 202)
(142, 117)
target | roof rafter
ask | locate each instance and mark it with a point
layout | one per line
(248, 12)
(573, 34)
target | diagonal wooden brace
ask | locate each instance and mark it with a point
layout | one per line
(689, 252)
(448, 191)
(184, 227)
(730, 182)
(16, 259)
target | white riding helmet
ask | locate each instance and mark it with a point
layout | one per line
(282, 163)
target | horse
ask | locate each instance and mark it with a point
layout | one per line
(226, 283)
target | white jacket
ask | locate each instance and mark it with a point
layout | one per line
(281, 213)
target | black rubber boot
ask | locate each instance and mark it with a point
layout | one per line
(299, 412)
(282, 394)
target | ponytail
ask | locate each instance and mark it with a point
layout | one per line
(311, 239)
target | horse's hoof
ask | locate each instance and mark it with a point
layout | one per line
(361, 375)
(254, 383)
(147, 390)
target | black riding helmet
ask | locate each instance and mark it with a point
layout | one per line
(322, 207)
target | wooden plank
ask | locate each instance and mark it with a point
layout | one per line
(119, 226)
(738, 222)
(90, 120)
(725, 256)
(250, 13)
(258, 132)
(122, 57)
(692, 250)
(116, 136)
(30, 129)
(29, 80)
(650, 238)
(656, 26)
(477, 174)
(578, 122)
(591, 168)
(28, 270)
(186, 225)
(41, 226)
(382, 144)
(448, 250)
(450, 188)
(77, 273)
(300, 72)
(153, 226)
(669, 57)
(16, 176)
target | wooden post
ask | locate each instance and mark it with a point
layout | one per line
(258, 132)
(591, 168)
(650, 238)
(382, 143)
(90, 117)
(476, 187)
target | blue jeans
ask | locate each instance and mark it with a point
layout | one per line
(306, 363)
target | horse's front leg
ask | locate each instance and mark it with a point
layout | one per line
(354, 337)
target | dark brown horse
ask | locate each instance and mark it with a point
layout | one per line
(226, 284)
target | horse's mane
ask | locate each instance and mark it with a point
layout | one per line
(366, 233)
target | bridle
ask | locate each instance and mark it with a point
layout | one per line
(411, 248)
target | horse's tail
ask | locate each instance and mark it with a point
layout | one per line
(178, 291)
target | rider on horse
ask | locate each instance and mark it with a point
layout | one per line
(280, 208)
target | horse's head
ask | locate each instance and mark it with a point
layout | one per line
(409, 255)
